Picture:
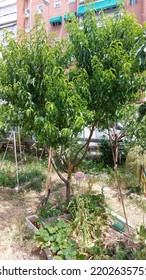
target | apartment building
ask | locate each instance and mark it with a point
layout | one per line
(8, 17)
(20, 14)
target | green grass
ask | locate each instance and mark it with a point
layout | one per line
(31, 168)
(140, 203)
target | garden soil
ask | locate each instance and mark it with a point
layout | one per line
(16, 241)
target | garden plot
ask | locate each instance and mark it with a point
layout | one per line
(16, 241)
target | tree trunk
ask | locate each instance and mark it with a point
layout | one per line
(67, 191)
(68, 183)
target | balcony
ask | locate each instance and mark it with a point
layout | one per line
(8, 13)
(8, 18)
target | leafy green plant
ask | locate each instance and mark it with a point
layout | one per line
(96, 252)
(140, 254)
(89, 166)
(7, 179)
(142, 232)
(48, 210)
(135, 189)
(89, 216)
(88, 219)
(57, 235)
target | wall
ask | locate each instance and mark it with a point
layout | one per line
(137, 9)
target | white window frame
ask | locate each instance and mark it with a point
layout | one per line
(40, 8)
(27, 12)
(71, 1)
(57, 3)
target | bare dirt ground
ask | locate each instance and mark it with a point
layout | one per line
(136, 216)
(15, 238)
(16, 241)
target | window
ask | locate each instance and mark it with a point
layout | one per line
(56, 23)
(57, 3)
(71, 1)
(40, 9)
(47, 2)
(133, 2)
(27, 13)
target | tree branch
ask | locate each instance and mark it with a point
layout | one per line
(77, 153)
(60, 163)
(59, 174)
(87, 146)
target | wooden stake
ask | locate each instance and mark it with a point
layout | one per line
(49, 173)
(20, 150)
(16, 163)
(2, 162)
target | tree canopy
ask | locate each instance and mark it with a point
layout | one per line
(55, 88)
(34, 83)
(105, 50)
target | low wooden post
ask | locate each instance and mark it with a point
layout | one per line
(48, 180)
(16, 163)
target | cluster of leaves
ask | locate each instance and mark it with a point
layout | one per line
(56, 235)
(135, 126)
(95, 203)
(54, 96)
(107, 56)
(89, 216)
(47, 211)
(89, 166)
(39, 96)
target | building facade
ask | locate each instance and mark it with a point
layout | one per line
(137, 7)
(8, 17)
(20, 14)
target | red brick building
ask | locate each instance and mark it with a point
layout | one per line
(15, 14)
(137, 7)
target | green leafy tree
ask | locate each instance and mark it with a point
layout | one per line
(105, 50)
(39, 96)
(54, 89)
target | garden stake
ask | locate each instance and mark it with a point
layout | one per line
(6, 150)
(20, 150)
(16, 163)
(115, 159)
(48, 180)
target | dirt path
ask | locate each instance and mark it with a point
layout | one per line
(15, 239)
